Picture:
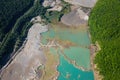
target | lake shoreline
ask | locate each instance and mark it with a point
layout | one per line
(95, 48)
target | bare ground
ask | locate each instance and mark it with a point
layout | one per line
(24, 65)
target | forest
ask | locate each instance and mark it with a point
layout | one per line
(10, 11)
(104, 25)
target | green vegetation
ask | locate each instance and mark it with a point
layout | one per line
(55, 16)
(10, 10)
(104, 25)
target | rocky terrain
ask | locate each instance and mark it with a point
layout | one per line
(75, 18)
(80, 12)
(54, 4)
(26, 64)
(83, 3)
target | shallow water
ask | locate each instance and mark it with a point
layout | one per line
(79, 53)
(69, 72)
(77, 37)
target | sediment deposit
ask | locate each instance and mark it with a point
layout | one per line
(26, 63)
(84, 3)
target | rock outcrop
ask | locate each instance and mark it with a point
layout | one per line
(54, 4)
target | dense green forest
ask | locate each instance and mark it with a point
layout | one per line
(10, 11)
(15, 23)
(104, 25)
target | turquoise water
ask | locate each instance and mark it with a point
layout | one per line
(79, 53)
(79, 38)
(66, 68)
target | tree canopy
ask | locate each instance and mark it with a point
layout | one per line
(104, 25)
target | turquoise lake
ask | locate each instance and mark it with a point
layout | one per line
(78, 37)
(79, 53)
(66, 68)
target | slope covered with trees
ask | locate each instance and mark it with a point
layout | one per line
(10, 10)
(104, 25)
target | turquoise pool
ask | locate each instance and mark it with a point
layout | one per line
(79, 53)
